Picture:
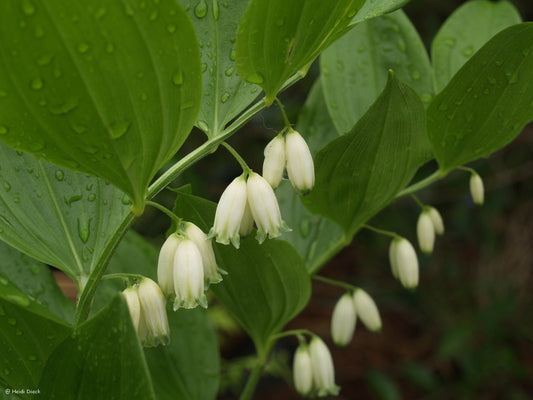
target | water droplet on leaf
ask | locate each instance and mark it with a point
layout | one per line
(201, 9)
(118, 129)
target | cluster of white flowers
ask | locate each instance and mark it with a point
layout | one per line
(348, 308)
(250, 198)
(313, 371)
(147, 306)
(187, 266)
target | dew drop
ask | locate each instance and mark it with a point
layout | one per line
(203, 126)
(256, 78)
(153, 15)
(126, 200)
(84, 229)
(32, 357)
(450, 42)
(28, 8)
(18, 332)
(204, 67)
(229, 72)
(100, 12)
(92, 197)
(128, 10)
(467, 51)
(201, 9)
(60, 175)
(110, 48)
(3, 130)
(79, 128)
(144, 97)
(305, 227)
(415, 75)
(171, 28)
(216, 11)
(118, 129)
(177, 78)
(7, 186)
(232, 55)
(82, 47)
(45, 59)
(492, 80)
(36, 84)
(12, 321)
(64, 107)
(225, 97)
(73, 199)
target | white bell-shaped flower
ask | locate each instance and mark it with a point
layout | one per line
(153, 322)
(343, 320)
(274, 163)
(165, 264)
(264, 207)
(323, 370)
(188, 276)
(477, 190)
(300, 166)
(367, 310)
(436, 218)
(132, 299)
(392, 258)
(199, 238)
(404, 259)
(229, 213)
(302, 370)
(247, 223)
(425, 231)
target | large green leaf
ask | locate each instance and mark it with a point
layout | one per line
(360, 173)
(267, 284)
(464, 32)
(224, 93)
(28, 335)
(375, 8)
(188, 368)
(315, 238)
(35, 280)
(488, 101)
(103, 360)
(355, 68)
(54, 215)
(107, 87)
(278, 38)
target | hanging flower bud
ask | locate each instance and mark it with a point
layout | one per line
(247, 223)
(188, 276)
(323, 370)
(300, 167)
(406, 261)
(229, 213)
(264, 207)
(392, 258)
(132, 299)
(302, 370)
(199, 238)
(165, 264)
(477, 189)
(153, 322)
(436, 218)
(274, 163)
(367, 310)
(425, 232)
(343, 320)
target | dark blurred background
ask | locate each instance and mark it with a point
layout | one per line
(465, 333)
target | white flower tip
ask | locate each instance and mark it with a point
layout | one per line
(425, 231)
(436, 218)
(300, 166)
(477, 189)
(343, 321)
(323, 369)
(367, 310)
(404, 256)
(274, 163)
(134, 307)
(302, 370)
(229, 213)
(188, 275)
(153, 322)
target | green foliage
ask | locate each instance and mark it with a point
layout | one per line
(277, 38)
(361, 172)
(266, 285)
(465, 32)
(109, 88)
(488, 101)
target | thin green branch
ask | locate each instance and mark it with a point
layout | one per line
(165, 210)
(246, 169)
(380, 231)
(282, 109)
(421, 184)
(334, 282)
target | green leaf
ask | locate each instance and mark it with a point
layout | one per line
(106, 87)
(104, 360)
(361, 172)
(315, 238)
(355, 68)
(56, 216)
(35, 280)
(487, 103)
(28, 335)
(465, 32)
(225, 94)
(372, 9)
(189, 367)
(278, 38)
(266, 286)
